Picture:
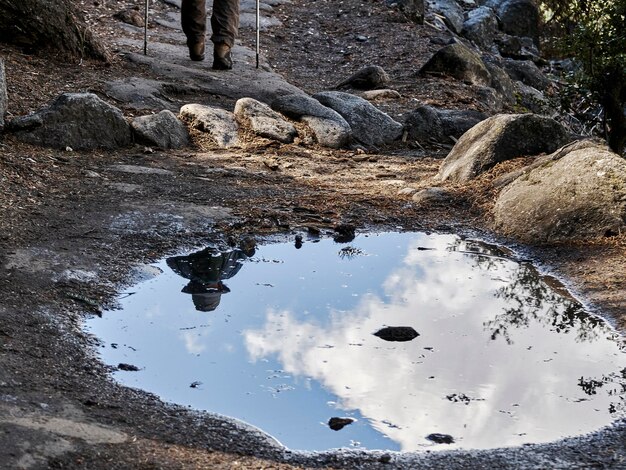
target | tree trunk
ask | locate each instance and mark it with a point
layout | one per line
(613, 103)
(49, 26)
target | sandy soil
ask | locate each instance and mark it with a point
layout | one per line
(75, 226)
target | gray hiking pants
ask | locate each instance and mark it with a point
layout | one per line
(224, 20)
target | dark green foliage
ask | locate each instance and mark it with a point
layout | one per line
(594, 33)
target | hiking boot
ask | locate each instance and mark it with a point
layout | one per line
(196, 50)
(222, 59)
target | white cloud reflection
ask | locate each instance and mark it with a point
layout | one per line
(402, 387)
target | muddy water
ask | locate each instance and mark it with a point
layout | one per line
(284, 339)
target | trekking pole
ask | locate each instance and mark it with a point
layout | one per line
(145, 30)
(258, 27)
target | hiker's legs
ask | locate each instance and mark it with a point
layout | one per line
(193, 20)
(225, 22)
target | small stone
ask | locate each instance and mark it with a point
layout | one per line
(218, 123)
(264, 121)
(163, 130)
(367, 78)
(337, 424)
(440, 438)
(397, 333)
(385, 458)
(127, 367)
(344, 233)
(384, 94)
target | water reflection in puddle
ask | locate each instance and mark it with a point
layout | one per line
(285, 340)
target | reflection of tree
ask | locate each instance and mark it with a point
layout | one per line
(206, 269)
(617, 389)
(531, 299)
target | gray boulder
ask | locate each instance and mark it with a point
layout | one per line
(162, 130)
(526, 72)
(264, 121)
(81, 121)
(428, 123)
(459, 62)
(369, 125)
(481, 26)
(140, 93)
(499, 138)
(519, 18)
(451, 12)
(581, 195)
(4, 99)
(501, 82)
(218, 123)
(517, 48)
(367, 78)
(532, 99)
(329, 128)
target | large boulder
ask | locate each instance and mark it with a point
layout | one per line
(329, 128)
(217, 122)
(519, 18)
(428, 123)
(369, 125)
(264, 121)
(459, 62)
(451, 12)
(162, 130)
(81, 121)
(499, 138)
(481, 26)
(581, 195)
(3, 94)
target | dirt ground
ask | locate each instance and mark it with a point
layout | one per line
(75, 226)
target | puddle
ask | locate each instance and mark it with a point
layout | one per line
(489, 354)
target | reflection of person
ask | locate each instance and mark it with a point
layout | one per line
(206, 270)
(224, 23)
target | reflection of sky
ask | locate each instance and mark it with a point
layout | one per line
(291, 345)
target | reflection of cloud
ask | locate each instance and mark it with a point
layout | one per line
(446, 300)
(194, 343)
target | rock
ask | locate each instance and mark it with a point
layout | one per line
(526, 72)
(264, 121)
(336, 424)
(330, 129)
(397, 333)
(481, 26)
(162, 130)
(384, 94)
(499, 138)
(412, 9)
(490, 98)
(581, 195)
(501, 82)
(4, 99)
(218, 123)
(430, 195)
(367, 78)
(519, 18)
(370, 126)
(531, 99)
(127, 367)
(78, 120)
(427, 123)
(344, 233)
(130, 16)
(141, 93)
(328, 132)
(451, 12)
(459, 62)
(440, 438)
(517, 48)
